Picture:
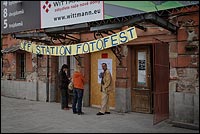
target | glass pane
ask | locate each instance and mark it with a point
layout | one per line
(141, 68)
(22, 71)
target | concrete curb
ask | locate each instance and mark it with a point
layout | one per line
(184, 125)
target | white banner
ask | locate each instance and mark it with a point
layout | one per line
(59, 13)
(81, 48)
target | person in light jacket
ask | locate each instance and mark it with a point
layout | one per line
(78, 81)
(105, 90)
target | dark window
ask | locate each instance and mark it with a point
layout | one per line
(20, 65)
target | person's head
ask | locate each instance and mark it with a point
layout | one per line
(104, 66)
(64, 67)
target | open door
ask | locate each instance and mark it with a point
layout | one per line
(161, 81)
(141, 92)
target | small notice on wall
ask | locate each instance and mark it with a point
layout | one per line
(141, 64)
(141, 67)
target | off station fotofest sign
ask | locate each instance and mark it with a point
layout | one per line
(81, 48)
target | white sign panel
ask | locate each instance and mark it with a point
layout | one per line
(100, 70)
(59, 13)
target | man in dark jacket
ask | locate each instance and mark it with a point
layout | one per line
(63, 85)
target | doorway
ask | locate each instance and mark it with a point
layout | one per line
(95, 93)
(150, 80)
(141, 79)
(71, 62)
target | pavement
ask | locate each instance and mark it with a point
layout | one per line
(25, 116)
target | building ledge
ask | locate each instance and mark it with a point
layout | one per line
(185, 125)
(11, 49)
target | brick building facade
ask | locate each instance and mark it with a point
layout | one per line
(40, 78)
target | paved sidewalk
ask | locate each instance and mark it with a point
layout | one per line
(24, 116)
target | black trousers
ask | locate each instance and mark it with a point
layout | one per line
(64, 98)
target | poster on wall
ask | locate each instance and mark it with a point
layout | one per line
(17, 16)
(114, 9)
(100, 70)
(141, 67)
(60, 13)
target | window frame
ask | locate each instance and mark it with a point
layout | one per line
(20, 69)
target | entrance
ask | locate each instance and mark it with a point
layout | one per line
(70, 61)
(150, 80)
(141, 91)
(95, 93)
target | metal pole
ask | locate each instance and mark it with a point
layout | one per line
(47, 83)
(37, 98)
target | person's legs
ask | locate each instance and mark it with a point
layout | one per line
(107, 105)
(75, 97)
(104, 102)
(80, 98)
(67, 97)
(63, 98)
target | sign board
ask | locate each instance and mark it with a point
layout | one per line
(17, 16)
(113, 9)
(59, 13)
(82, 48)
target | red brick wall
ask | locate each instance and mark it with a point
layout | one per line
(186, 63)
(9, 59)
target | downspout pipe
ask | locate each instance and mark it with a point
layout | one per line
(37, 77)
(47, 80)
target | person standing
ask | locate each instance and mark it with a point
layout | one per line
(105, 89)
(63, 85)
(78, 81)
